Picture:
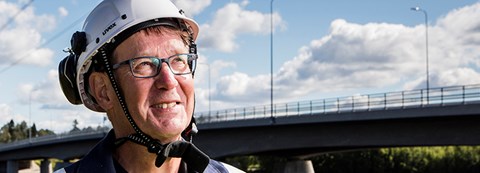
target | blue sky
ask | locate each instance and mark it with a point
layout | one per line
(322, 49)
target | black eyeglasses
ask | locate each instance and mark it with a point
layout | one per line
(149, 66)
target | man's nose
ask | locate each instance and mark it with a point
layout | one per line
(165, 78)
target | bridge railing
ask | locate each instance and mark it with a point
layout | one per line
(442, 96)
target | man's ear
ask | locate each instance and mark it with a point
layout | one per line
(100, 89)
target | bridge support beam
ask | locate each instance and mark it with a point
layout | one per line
(12, 166)
(45, 166)
(295, 166)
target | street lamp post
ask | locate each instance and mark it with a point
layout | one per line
(426, 44)
(30, 116)
(209, 92)
(271, 62)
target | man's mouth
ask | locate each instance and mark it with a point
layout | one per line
(165, 105)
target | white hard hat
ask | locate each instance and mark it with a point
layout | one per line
(104, 23)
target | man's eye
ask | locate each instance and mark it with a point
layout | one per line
(144, 66)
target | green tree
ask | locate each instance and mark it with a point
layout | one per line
(11, 129)
(75, 126)
(33, 130)
(12, 132)
(44, 132)
(20, 131)
(5, 133)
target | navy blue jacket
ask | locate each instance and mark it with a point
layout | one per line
(100, 159)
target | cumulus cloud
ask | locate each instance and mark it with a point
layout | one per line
(354, 56)
(373, 55)
(4, 109)
(6, 114)
(205, 73)
(457, 76)
(62, 11)
(47, 93)
(20, 39)
(232, 20)
(47, 96)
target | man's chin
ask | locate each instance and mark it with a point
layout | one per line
(167, 134)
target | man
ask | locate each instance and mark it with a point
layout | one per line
(135, 60)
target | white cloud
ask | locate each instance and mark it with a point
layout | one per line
(245, 3)
(202, 78)
(61, 121)
(62, 11)
(464, 76)
(58, 114)
(232, 20)
(354, 56)
(374, 55)
(192, 7)
(241, 81)
(22, 37)
(41, 56)
(6, 115)
(7, 9)
(28, 19)
(47, 92)
(242, 89)
(458, 37)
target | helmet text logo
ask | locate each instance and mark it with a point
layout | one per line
(109, 28)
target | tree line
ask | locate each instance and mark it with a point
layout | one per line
(12, 131)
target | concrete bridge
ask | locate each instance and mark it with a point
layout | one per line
(448, 116)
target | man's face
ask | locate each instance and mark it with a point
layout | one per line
(161, 106)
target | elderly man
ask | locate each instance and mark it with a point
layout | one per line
(135, 60)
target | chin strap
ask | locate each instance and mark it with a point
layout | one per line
(190, 154)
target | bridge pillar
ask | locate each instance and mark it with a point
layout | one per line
(12, 166)
(45, 166)
(295, 166)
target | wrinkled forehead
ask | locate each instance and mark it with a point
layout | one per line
(150, 43)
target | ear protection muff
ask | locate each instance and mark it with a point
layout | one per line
(67, 75)
(67, 68)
